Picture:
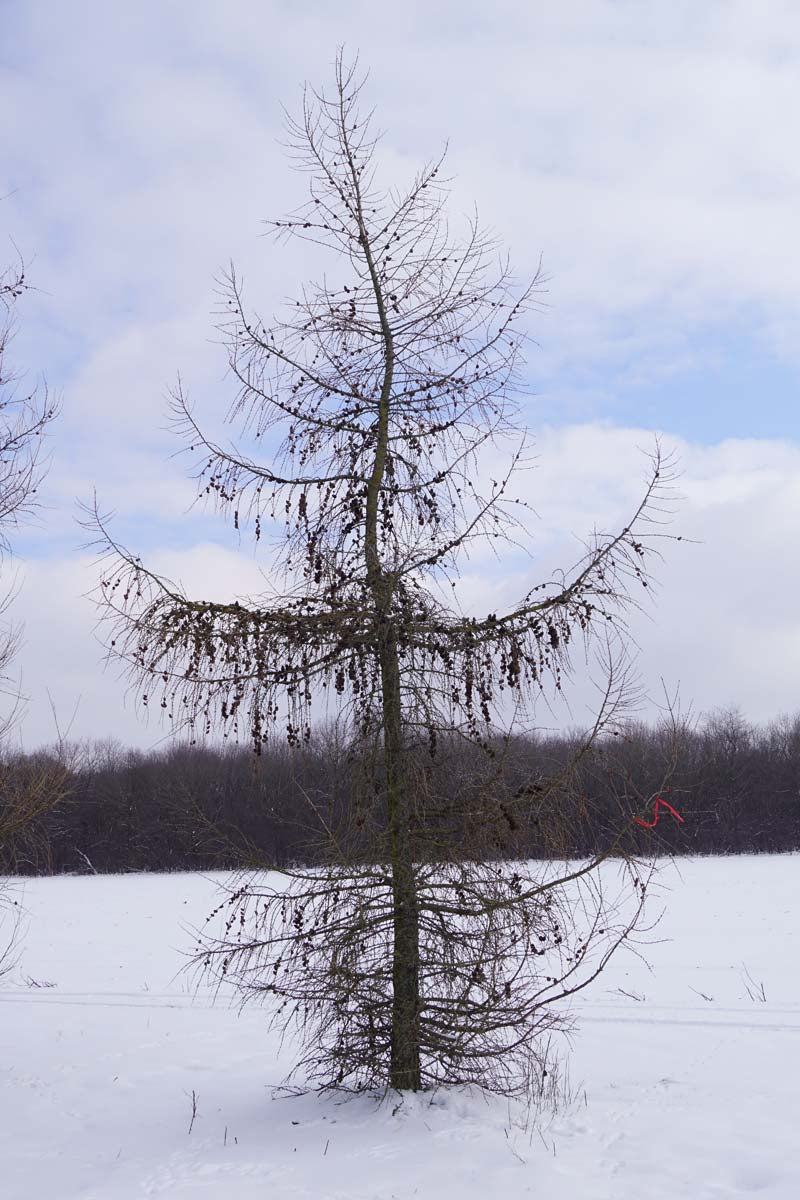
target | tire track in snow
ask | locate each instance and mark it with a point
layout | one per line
(692, 1022)
(205, 1003)
(116, 1000)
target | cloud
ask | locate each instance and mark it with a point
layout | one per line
(723, 623)
(63, 652)
(644, 150)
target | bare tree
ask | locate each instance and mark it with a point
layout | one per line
(380, 401)
(24, 417)
(25, 795)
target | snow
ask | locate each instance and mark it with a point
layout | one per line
(672, 1095)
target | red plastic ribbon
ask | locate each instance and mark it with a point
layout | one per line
(650, 824)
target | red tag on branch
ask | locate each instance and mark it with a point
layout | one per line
(664, 804)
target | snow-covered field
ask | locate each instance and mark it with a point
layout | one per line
(674, 1095)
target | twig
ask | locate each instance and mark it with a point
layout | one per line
(194, 1110)
(631, 995)
(754, 990)
(86, 859)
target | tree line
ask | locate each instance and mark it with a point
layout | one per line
(184, 807)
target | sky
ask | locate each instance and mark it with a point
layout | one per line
(645, 152)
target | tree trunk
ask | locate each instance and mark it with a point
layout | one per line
(405, 1056)
(404, 1072)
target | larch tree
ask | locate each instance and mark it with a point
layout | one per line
(367, 412)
